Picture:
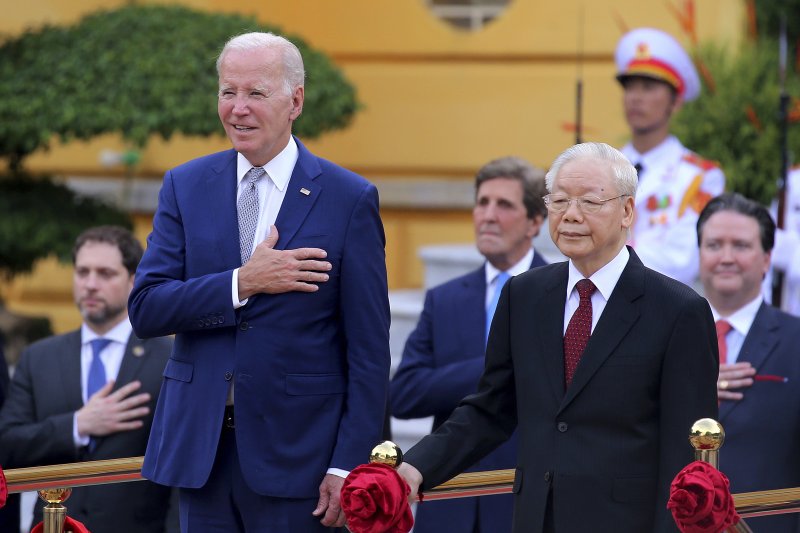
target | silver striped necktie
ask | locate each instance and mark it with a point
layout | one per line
(247, 208)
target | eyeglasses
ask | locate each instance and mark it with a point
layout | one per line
(558, 203)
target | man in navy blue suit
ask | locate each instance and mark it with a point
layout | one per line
(444, 356)
(759, 365)
(268, 265)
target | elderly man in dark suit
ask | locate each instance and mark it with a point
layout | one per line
(759, 364)
(444, 355)
(88, 394)
(268, 264)
(601, 364)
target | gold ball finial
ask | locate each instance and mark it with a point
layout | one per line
(53, 496)
(707, 434)
(387, 453)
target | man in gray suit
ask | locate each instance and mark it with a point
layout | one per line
(88, 394)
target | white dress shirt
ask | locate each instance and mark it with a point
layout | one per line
(740, 322)
(111, 356)
(271, 193)
(523, 265)
(604, 279)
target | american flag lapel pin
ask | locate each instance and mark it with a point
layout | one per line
(138, 351)
(305, 191)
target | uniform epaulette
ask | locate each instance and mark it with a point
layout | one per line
(701, 162)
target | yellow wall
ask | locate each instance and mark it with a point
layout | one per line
(438, 102)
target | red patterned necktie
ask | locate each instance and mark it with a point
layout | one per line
(578, 330)
(723, 327)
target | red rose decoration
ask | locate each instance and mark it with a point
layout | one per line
(375, 500)
(3, 489)
(700, 500)
(70, 526)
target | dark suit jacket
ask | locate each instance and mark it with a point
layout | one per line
(607, 449)
(36, 429)
(442, 362)
(311, 369)
(762, 431)
(9, 515)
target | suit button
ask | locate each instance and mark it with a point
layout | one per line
(228, 376)
(221, 320)
(207, 321)
(547, 477)
(243, 326)
(563, 427)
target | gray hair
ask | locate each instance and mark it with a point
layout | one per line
(625, 177)
(516, 168)
(293, 71)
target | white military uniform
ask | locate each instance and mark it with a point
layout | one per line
(674, 183)
(786, 253)
(674, 186)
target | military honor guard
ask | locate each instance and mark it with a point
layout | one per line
(657, 76)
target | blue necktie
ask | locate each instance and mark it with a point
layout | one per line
(97, 370)
(500, 280)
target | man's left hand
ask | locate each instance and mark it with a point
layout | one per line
(736, 376)
(329, 506)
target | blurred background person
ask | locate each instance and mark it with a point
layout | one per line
(657, 76)
(9, 515)
(759, 364)
(89, 394)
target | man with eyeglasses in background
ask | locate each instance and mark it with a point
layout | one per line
(657, 76)
(600, 364)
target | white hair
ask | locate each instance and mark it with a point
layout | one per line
(293, 71)
(625, 177)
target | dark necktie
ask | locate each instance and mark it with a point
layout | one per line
(639, 168)
(723, 327)
(97, 370)
(501, 279)
(578, 330)
(247, 209)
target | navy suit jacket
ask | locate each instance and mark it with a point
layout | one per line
(762, 431)
(36, 429)
(311, 369)
(605, 450)
(442, 363)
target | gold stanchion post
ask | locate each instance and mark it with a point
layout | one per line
(54, 512)
(707, 437)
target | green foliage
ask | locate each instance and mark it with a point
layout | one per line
(43, 218)
(769, 14)
(719, 126)
(140, 70)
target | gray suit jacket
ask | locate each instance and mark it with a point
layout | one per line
(36, 429)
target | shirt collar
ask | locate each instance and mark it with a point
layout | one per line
(604, 279)
(742, 319)
(119, 333)
(279, 168)
(654, 156)
(521, 266)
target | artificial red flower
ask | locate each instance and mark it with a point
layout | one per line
(3, 489)
(375, 500)
(700, 500)
(70, 526)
